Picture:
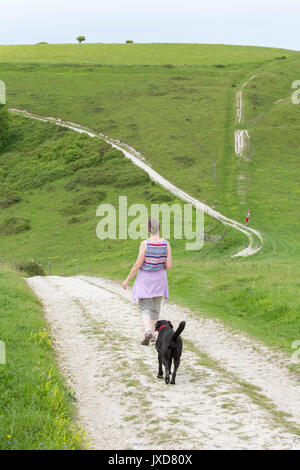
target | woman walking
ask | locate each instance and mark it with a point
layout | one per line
(151, 283)
(248, 217)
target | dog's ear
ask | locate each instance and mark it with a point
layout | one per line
(170, 324)
(158, 324)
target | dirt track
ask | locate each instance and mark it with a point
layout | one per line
(229, 388)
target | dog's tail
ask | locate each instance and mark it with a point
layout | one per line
(179, 330)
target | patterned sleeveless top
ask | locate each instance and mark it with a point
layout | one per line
(155, 256)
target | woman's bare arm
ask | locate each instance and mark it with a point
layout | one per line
(137, 264)
(168, 263)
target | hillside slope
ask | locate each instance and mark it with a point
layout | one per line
(182, 118)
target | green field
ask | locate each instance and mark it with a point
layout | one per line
(174, 103)
(36, 409)
(139, 54)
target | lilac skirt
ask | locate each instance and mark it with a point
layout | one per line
(150, 284)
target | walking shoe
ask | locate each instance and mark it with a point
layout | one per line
(147, 338)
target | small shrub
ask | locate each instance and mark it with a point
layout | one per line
(95, 177)
(72, 209)
(257, 99)
(114, 153)
(98, 109)
(220, 66)
(70, 185)
(157, 196)
(133, 126)
(110, 124)
(62, 129)
(13, 225)
(129, 41)
(94, 160)
(119, 173)
(132, 178)
(32, 268)
(184, 160)
(91, 197)
(10, 200)
(74, 220)
(154, 91)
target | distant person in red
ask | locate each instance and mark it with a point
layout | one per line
(248, 217)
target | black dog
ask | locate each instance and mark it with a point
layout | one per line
(169, 346)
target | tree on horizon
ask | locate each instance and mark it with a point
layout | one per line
(80, 39)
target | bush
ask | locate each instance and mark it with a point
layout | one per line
(119, 173)
(13, 225)
(129, 41)
(70, 185)
(114, 153)
(71, 209)
(95, 177)
(10, 200)
(74, 220)
(184, 160)
(157, 196)
(80, 204)
(32, 268)
(133, 177)
(92, 197)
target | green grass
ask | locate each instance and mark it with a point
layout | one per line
(139, 54)
(36, 409)
(174, 104)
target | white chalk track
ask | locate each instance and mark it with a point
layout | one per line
(229, 392)
(254, 236)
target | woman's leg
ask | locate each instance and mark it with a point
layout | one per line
(148, 323)
(156, 310)
(145, 305)
(153, 323)
(156, 304)
(148, 335)
(150, 308)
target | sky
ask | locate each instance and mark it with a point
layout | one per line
(273, 23)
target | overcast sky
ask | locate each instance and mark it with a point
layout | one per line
(273, 23)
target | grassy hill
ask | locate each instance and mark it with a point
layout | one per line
(139, 54)
(52, 181)
(176, 105)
